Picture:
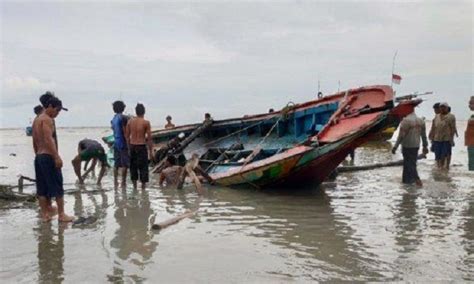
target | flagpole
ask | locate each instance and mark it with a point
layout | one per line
(393, 68)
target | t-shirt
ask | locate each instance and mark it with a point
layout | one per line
(412, 128)
(90, 145)
(118, 123)
(444, 127)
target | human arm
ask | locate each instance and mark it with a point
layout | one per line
(91, 168)
(103, 168)
(47, 128)
(149, 141)
(424, 138)
(452, 126)
(76, 164)
(162, 178)
(126, 132)
(401, 134)
(432, 129)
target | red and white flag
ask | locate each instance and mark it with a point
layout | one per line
(396, 79)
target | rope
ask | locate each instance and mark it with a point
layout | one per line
(231, 134)
(290, 106)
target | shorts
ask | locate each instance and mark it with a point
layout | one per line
(139, 163)
(441, 149)
(49, 179)
(99, 154)
(121, 158)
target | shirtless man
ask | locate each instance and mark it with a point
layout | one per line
(170, 175)
(87, 150)
(48, 163)
(169, 124)
(138, 136)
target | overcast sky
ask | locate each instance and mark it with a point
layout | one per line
(229, 59)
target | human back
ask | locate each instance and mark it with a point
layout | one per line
(413, 129)
(138, 127)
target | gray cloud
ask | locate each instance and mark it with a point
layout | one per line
(229, 58)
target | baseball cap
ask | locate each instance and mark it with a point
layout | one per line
(56, 103)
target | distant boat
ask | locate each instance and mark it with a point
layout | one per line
(29, 130)
(300, 144)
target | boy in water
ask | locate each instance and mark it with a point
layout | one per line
(48, 163)
(121, 157)
(89, 150)
(138, 136)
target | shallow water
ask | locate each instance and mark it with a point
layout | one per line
(365, 226)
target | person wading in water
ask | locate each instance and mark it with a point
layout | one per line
(412, 128)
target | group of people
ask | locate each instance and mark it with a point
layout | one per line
(443, 130)
(132, 149)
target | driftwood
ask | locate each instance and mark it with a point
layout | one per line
(172, 221)
(343, 169)
(6, 193)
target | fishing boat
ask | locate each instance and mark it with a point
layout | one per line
(299, 144)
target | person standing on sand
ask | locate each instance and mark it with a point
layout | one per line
(138, 136)
(169, 124)
(48, 163)
(469, 136)
(121, 156)
(443, 129)
(411, 129)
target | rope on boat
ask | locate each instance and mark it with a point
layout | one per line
(231, 134)
(290, 106)
(284, 115)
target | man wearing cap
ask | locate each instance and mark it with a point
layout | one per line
(442, 134)
(412, 128)
(469, 136)
(48, 163)
(87, 150)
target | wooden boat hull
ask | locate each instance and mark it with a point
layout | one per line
(314, 138)
(303, 165)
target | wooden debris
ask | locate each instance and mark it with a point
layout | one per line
(343, 169)
(172, 221)
(6, 193)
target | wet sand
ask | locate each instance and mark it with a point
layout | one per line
(365, 226)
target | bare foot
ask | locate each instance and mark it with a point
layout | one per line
(46, 218)
(419, 183)
(65, 218)
(52, 210)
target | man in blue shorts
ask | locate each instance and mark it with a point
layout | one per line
(121, 157)
(442, 133)
(89, 150)
(48, 163)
